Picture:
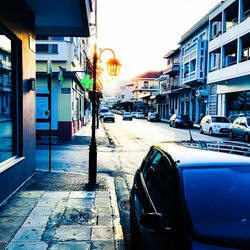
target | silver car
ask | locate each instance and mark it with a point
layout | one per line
(240, 128)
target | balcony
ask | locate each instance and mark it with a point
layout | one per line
(234, 32)
(173, 69)
(234, 71)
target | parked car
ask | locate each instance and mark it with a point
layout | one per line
(127, 116)
(109, 117)
(240, 128)
(139, 115)
(177, 121)
(103, 111)
(232, 118)
(215, 124)
(184, 197)
(153, 117)
(133, 114)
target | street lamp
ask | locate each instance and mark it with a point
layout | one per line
(113, 70)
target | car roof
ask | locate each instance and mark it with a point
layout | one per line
(186, 154)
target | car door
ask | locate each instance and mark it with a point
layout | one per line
(235, 127)
(205, 124)
(141, 201)
(163, 193)
(242, 126)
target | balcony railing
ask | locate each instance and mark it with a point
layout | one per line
(246, 14)
(214, 68)
(231, 24)
(229, 64)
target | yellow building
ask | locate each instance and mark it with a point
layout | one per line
(69, 97)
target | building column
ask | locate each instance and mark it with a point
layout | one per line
(222, 104)
(222, 57)
(223, 22)
(240, 11)
(197, 110)
(191, 110)
(239, 50)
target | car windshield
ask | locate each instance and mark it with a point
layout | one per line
(217, 202)
(220, 119)
(126, 113)
(104, 110)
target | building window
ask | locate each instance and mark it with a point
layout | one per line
(47, 48)
(8, 140)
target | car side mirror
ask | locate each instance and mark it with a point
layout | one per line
(153, 221)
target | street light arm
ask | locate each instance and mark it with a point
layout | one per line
(104, 50)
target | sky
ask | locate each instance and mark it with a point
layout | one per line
(141, 32)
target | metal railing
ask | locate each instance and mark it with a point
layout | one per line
(230, 147)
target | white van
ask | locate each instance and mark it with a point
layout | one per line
(103, 110)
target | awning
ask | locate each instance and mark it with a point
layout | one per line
(201, 92)
(61, 17)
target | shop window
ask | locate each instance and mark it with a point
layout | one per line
(7, 99)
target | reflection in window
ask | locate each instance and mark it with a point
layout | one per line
(6, 121)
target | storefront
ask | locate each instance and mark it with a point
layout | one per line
(19, 25)
(238, 103)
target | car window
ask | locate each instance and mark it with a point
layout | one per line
(243, 120)
(178, 117)
(248, 121)
(163, 192)
(210, 192)
(220, 119)
(150, 164)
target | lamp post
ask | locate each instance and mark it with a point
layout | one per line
(113, 70)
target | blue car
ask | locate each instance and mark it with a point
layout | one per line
(187, 195)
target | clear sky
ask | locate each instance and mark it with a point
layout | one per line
(141, 32)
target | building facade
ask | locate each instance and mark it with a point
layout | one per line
(193, 71)
(229, 58)
(69, 98)
(168, 99)
(19, 25)
(146, 87)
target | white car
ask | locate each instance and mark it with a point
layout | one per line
(215, 124)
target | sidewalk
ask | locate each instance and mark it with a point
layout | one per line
(56, 211)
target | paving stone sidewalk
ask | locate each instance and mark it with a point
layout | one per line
(55, 211)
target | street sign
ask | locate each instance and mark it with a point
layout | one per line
(87, 82)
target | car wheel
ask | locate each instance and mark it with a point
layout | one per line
(201, 130)
(211, 132)
(231, 135)
(175, 125)
(134, 229)
(246, 137)
(170, 124)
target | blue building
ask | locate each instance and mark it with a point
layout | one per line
(193, 70)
